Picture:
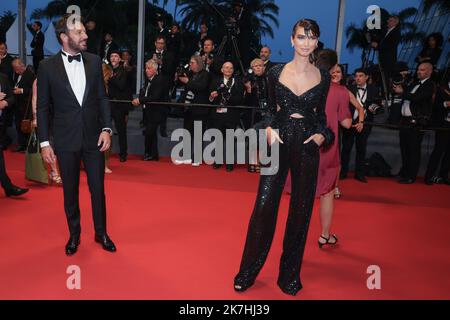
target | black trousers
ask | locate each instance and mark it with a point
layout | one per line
(303, 161)
(410, 148)
(36, 61)
(188, 124)
(440, 154)
(119, 114)
(4, 179)
(349, 138)
(19, 114)
(94, 165)
(222, 122)
(152, 120)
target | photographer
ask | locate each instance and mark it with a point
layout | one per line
(119, 89)
(416, 112)
(196, 90)
(213, 63)
(400, 78)
(153, 91)
(226, 91)
(257, 95)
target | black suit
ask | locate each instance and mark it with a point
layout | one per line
(198, 87)
(38, 49)
(154, 91)
(119, 89)
(5, 88)
(441, 151)
(351, 136)
(411, 136)
(22, 108)
(76, 130)
(387, 51)
(7, 117)
(230, 119)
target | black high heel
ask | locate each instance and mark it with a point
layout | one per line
(328, 240)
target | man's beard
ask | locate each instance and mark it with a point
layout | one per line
(75, 46)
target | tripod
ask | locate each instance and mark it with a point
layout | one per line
(234, 49)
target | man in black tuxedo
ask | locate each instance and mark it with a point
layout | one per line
(368, 96)
(264, 55)
(23, 88)
(416, 112)
(93, 37)
(6, 100)
(387, 47)
(119, 89)
(153, 91)
(37, 44)
(167, 65)
(7, 118)
(72, 83)
(226, 91)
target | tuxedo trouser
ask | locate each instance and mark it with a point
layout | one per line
(440, 154)
(4, 179)
(350, 137)
(119, 114)
(410, 148)
(222, 122)
(19, 115)
(152, 120)
(188, 124)
(94, 165)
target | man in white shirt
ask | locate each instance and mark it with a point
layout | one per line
(72, 81)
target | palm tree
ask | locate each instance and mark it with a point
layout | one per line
(444, 5)
(194, 12)
(263, 13)
(6, 21)
(358, 37)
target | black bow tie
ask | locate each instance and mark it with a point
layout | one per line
(361, 88)
(75, 57)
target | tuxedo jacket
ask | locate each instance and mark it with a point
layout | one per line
(6, 67)
(199, 85)
(372, 96)
(118, 86)
(5, 88)
(169, 65)
(440, 113)
(421, 101)
(156, 93)
(236, 99)
(388, 48)
(25, 83)
(75, 127)
(38, 44)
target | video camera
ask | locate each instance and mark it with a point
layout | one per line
(183, 70)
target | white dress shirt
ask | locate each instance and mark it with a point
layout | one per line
(406, 110)
(361, 96)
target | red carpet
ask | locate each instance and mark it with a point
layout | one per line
(180, 232)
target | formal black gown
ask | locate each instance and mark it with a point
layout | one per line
(303, 161)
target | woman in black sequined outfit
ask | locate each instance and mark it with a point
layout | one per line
(297, 96)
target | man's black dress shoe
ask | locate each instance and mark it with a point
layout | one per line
(163, 131)
(217, 166)
(406, 181)
(15, 191)
(106, 243)
(122, 158)
(148, 157)
(361, 178)
(430, 181)
(230, 167)
(72, 245)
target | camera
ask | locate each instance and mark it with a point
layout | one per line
(224, 93)
(249, 76)
(183, 70)
(397, 80)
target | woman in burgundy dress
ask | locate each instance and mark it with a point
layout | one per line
(338, 113)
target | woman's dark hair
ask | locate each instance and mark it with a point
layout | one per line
(326, 59)
(311, 27)
(437, 37)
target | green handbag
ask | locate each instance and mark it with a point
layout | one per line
(34, 165)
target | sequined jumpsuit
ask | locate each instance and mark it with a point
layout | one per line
(303, 161)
